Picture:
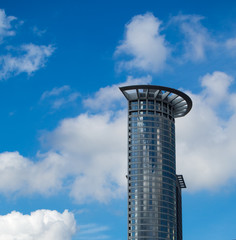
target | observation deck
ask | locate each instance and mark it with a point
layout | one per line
(179, 101)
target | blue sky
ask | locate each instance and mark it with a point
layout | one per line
(63, 119)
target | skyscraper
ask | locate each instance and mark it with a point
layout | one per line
(154, 189)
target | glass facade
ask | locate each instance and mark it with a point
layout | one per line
(152, 183)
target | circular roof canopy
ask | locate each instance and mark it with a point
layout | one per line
(180, 102)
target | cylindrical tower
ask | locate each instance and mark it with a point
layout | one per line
(152, 200)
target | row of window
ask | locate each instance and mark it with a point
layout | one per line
(150, 195)
(158, 129)
(153, 215)
(151, 147)
(157, 119)
(151, 190)
(134, 116)
(149, 203)
(151, 207)
(151, 222)
(170, 117)
(158, 126)
(160, 137)
(162, 158)
(152, 234)
(150, 168)
(147, 238)
(148, 124)
(144, 101)
(160, 114)
(146, 142)
(134, 149)
(152, 184)
(145, 107)
(160, 150)
(152, 178)
(152, 165)
(151, 228)
(153, 130)
(150, 137)
(144, 129)
(148, 153)
(150, 109)
(153, 212)
(149, 104)
(141, 112)
(145, 196)
(158, 164)
(151, 171)
(169, 173)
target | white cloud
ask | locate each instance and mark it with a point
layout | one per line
(197, 38)
(64, 101)
(206, 137)
(39, 225)
(94, 147)
(108, 97)
(216, 87)
(88, 149)
(231, 43)
(88, 154)
(5, 25)
(24, 58)
(32, 58)
(59, 97)
(55, 91)
(38, 31)
(144, 43)
(23, 176)
(93, 232)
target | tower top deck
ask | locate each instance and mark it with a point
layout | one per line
(180, 102)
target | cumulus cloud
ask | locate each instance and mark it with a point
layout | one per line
(94, 147)
(32, 58)
(59, 96)
(90, 150)
(39, 225)
(216, 87)
(23, 176)
(144, 43)
(108, 97)
(197, 38)
(5, 25)
(206, 137)
(88, 154)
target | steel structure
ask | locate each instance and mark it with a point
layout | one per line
(154, 189)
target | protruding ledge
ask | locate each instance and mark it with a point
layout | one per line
(181, 181)
(180, 102)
